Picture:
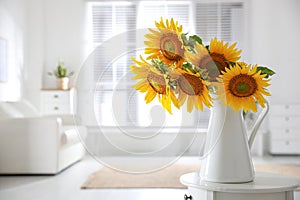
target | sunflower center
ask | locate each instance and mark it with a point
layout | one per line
(190, 84)
(242, 85)
(170, 47)
(157, 82)
(214, 63)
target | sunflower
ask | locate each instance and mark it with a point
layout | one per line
(190, 86)
(217, 59)
(154, 83)
(165, 44)
(198, 57)
(243, 86)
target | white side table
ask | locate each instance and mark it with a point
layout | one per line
(266, 186)
(57, 102)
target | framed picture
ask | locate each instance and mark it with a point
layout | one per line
(3, 60)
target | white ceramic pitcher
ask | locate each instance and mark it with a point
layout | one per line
(228, 157)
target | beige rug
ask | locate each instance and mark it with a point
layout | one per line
(166, 178)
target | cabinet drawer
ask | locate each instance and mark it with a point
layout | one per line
(57, 109)
(285, 147)
(290, 110)
(288, 133)
(54, 97)
(285, 122)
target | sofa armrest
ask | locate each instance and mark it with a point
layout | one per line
(70, 120)
(30, 140)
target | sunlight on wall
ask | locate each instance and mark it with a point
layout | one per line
(11, 31)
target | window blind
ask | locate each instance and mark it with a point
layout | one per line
(150, 11)
(216, 20)
(109, 20)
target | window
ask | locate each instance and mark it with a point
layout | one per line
(3, 60)
(207, 19)
(150, 11)
(109, 20)
(222, 20)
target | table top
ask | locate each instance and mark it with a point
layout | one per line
(263, 183)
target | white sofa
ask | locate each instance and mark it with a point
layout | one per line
(33, 144)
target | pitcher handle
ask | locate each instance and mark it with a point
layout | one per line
(257, 124)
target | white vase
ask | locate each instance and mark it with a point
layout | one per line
(228, 157)
(62, 83)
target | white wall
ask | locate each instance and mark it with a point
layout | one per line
(34, 54)
(39, 33)
(55, 32)
(13, 29)
(63, 36)
(274, 34)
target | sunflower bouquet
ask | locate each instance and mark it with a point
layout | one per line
(179, 68)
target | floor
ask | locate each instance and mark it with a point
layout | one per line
(66, 185)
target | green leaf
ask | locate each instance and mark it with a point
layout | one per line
(172, 82)
(191, 42)
(265, 70)
(204, 74)
(184, 39)
(64, 72)
(160, 65)
(232, 63)
(188, 67)
(196, 38)
(207, 47)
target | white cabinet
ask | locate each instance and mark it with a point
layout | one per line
(57, 102)
(285, 129)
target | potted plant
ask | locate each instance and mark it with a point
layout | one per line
(62, 76)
